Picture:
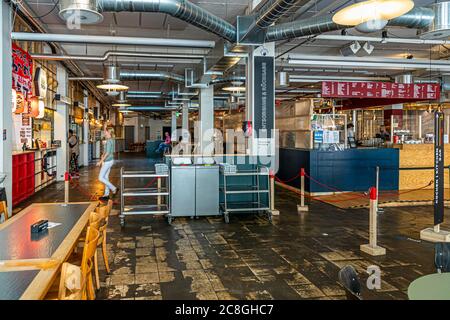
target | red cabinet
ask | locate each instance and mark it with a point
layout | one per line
(23, 177)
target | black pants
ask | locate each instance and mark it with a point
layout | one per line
(74, 163)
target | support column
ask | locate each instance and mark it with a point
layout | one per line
(6, 128)
(260, 98)
(185, 123)
(174, 127)
(206, 120)
(85, 146)
(61, 123)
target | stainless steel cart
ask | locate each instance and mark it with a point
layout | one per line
(160, 193)
(254, 189)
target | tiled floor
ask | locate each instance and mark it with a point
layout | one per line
(296, 257)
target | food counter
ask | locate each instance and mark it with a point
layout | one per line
(347, 170)
(417, 163)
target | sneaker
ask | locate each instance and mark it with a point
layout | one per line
(104, 198)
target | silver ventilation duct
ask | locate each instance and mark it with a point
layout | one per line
(416, 18)
(302, 28)
(440, 27)
(226, 80)
(181, 9)
(272, 11)
(151, 75)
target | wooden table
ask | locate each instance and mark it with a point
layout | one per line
(434, 286)
(29, 263)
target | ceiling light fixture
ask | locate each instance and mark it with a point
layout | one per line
(372, 10)
(111, 80)
(122, 101)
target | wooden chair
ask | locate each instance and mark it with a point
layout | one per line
(99, 219)
(4, 210)
(87, 261)
(72, 280)
(76, 282)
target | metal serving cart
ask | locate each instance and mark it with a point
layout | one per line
(245, 190)
(158, 195)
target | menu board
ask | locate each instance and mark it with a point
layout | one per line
(380, 90)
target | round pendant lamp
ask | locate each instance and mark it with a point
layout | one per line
(372, 10)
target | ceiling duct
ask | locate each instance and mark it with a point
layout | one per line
(111, 80)
(151, 75)
(181, 9)
(416, 18)
(440, 27)
(272, 11)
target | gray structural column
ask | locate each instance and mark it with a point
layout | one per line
(260, 97)
(206, 119)
(6, 120)
(185, 123)
(61, 123)
(174, 126)
(85, 145)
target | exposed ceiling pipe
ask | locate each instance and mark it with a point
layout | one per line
(417, 18)
(307, 79)
(109, 54)
(346, 38)
(227, 79)
(369, 62)
(272, 11)
(181, 9)
(150, 75)
(75, 38)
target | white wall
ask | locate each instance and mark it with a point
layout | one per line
(140, 122)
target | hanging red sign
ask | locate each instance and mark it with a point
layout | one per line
(22, 71)
(380, 90)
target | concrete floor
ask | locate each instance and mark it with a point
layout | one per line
(296, 257)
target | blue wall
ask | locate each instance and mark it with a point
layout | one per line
(349, 170)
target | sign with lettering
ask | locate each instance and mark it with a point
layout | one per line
(40, 83)
(380, 90)
(264, 89)
(22, 71)
(438, 167)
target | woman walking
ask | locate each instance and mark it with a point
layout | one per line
(106, 162)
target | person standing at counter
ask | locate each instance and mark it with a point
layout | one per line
(383, 134)
(106, 162)
(74, 148)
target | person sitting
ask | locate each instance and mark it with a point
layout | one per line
(163, 146)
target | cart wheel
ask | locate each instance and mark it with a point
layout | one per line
(269, 216)
(122, 221)
(192, 217)
(169, 220)
(226, 217)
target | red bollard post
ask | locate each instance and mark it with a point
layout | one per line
(372, 248)
(302, 207)
(66, 188)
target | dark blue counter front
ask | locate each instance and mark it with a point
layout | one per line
(349, 170)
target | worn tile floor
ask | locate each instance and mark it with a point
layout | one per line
(296, 257)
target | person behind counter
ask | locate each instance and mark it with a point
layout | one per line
(106, 162)
(74, 147)
(383, 134)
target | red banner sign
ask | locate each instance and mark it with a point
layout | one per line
(22, 71)
(380, 90)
